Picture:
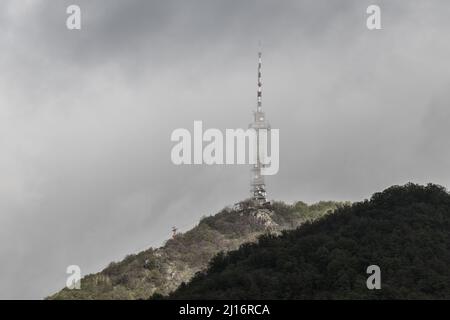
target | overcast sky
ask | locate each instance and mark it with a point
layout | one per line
(86, 116)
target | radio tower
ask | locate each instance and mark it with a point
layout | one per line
(258, 192)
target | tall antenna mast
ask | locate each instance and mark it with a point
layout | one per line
(258, 191)
(259, 92)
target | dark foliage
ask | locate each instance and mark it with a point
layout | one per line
(405, 230)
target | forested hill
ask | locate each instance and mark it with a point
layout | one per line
(405, 230)
(162, 270)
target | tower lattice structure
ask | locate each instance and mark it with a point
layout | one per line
(258, 186)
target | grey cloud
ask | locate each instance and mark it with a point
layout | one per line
(86, 117)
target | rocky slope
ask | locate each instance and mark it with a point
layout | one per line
(162, 270)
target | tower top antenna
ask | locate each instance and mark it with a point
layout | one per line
(259, 92)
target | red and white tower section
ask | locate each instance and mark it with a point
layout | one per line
(258, 186)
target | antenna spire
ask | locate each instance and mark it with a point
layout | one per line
(259, 92)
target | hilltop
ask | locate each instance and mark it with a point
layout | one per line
(405, 230)
(161, 270)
